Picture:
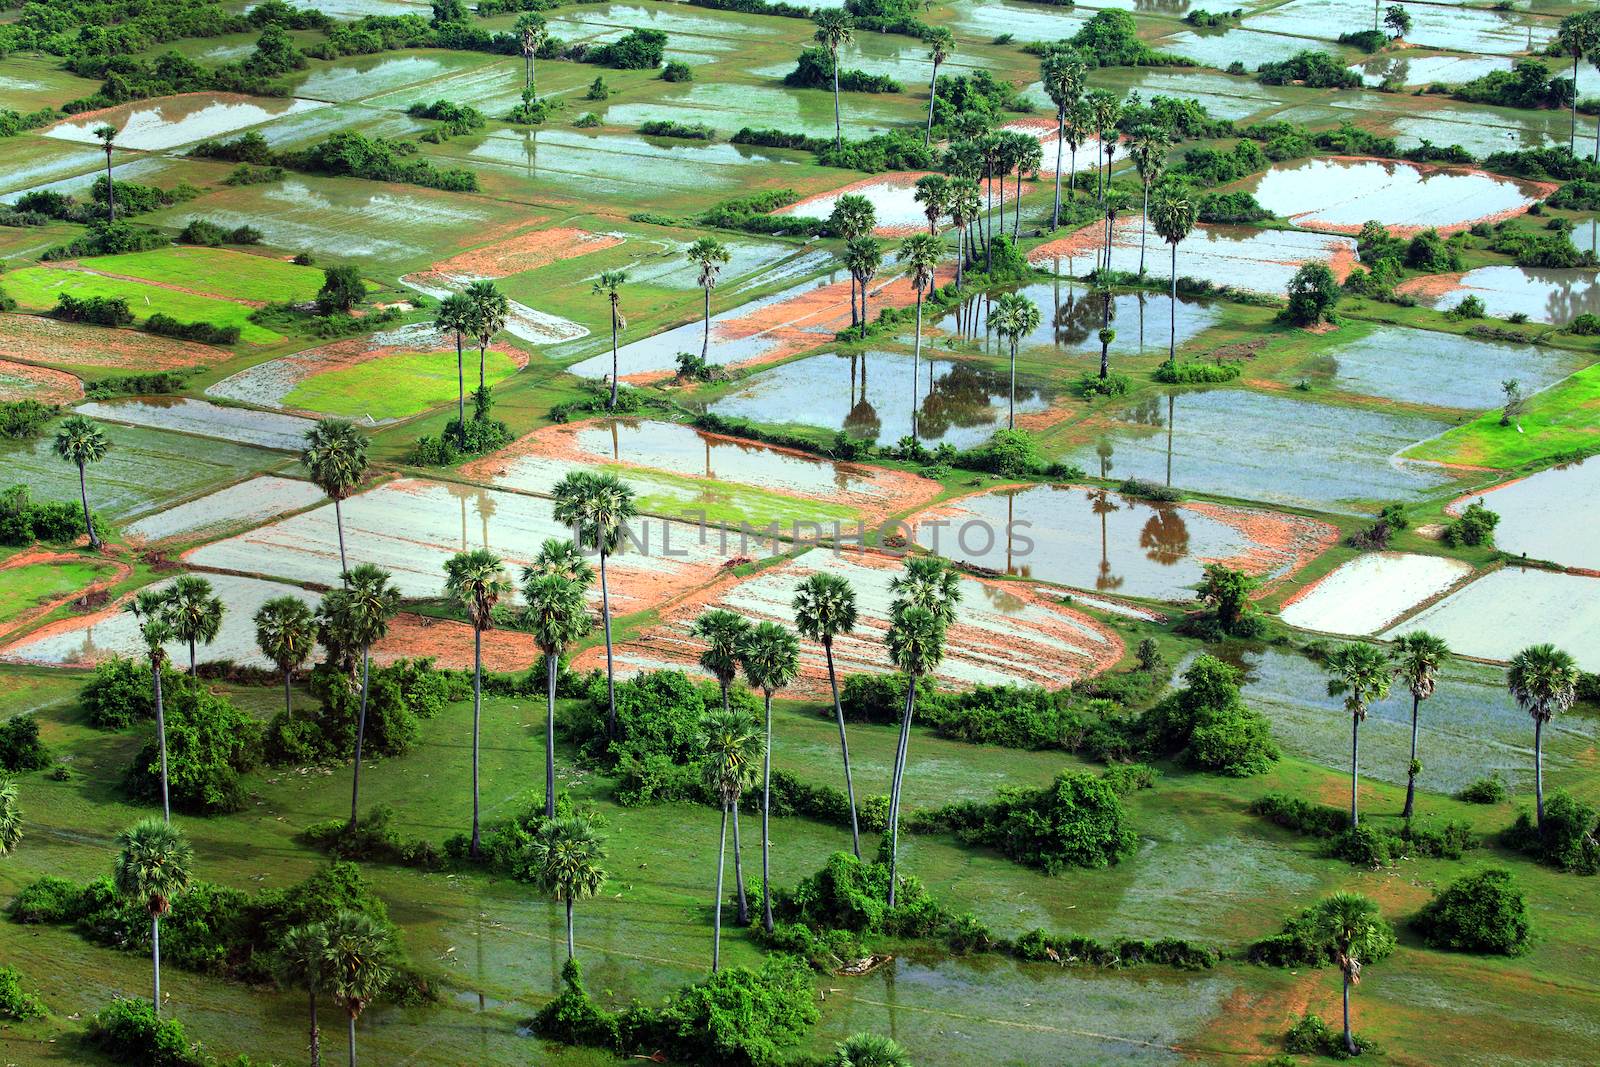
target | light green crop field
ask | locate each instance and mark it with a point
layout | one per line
(38, 288)
(394, 387)
(1563, 419)
(24, 587)
(216, 271)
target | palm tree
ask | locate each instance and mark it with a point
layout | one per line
(1577, 36)
(709, 254)
(965, 201)
(1417, 659)
(834, 31)
(1063, 74)
(770, 656)
(1079, 121)
(941, 46)
(1149, 154)
(916, 646)
(1029, 158)
(149, 608)
(1104, 112)
(286, 633)
(1361, 674)
(557, 615)
(476, 581)
(457, 314)
(863, 257)
(731, 743)
(358, 962)
(194, 612)
(920, 253)
(1013, 317)
(81, 441)
(609, 285)
(531, 32)
(723, 632)
(933, 193)
(302, 960)
(361, 619)
(106, 134)
(869, 1050)
(1352, 930)
(489, 310)
(10, 817)
(1174, 219)
(824, 608)
(1106, 335)
(597, 507)
(853, 216)
(566, 855)
(152, 868)
(1543, 680)
(336, 458)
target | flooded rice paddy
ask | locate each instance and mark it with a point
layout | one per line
(611, 162)
(1507, 610)
(243, 426)
(1549, 295)
(1071, 317)
(179, 120)
(248, 503)
(362, 76)
(727, 107)
(988, 19)
(1428, 70)
(1368, 593)
(1342, 194)
(1215, 49)
(1553, 515)
(1441, 26)
(1438, 368)
(892, 198)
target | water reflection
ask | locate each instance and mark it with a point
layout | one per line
(1072, 316)
(1553, 296)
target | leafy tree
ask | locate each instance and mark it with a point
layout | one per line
(1227, 593)
(1174, 218)
(358, 615)
(476, 582)
(921, 253)
(769, 655)
(149, 609)
(1013, 316)
(342, 289)
(1397, 21)
(1362, 675)
(358, 962)
(824, 608)
(193, 612)
(153, 866)
(709, 254)
(302, 960)
(723, 632)
(336, 458)
(609, 285)
(457, 314)
(835, 29)
(732, 743)
(80, 441)
(557, 614)
(566, 854)
(1417, 659)
(1482, 912)
(489, 310)
(286, 633)
(10, 817)
(1543, 680)
(597, 507)
(1313, 292)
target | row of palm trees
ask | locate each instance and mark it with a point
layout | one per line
(478, 312)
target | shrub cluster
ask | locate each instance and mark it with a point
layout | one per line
(815, 70)
(99, 310)
(1302, 943)
(373, 838)
(208, 233)
(204, 332)
(16, 1002)
(1483, 912)
(1311, 68)
(1197, 373)
(1366, 845)
(24, 520)
(1313, 1037)
(1474, 528)
(210, 743)
(398, 695)
(20, 747)
(1569, 839)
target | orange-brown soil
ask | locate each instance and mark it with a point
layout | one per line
(449, 644)
(1430, 287)
(524, 252)
(34, 337)
(42, 555)
(1279, 542)
(48, 386)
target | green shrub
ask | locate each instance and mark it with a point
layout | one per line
(1313, 292)
(1471, 307)
(209, 744)
(1313, 69)
(880, 698)
(1196, 373)
(1569, 839)
(130, 1031)
(1474, 528)
(1076, 821)
(342, 289)
(1207, 722)
(119, 693)
(20, 747)
(23, 420)
(48, 901)
(677, 71)
(373, 838)
(1482, 912)
(328, 733)
(1585, 325)
(1313, 1037)
(1304, 942)
(635, 50)
(1490, 790)
(1007, 453)
(16, 1002)
(99, 310)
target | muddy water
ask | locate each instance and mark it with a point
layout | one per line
(1347, 193)
(180, 120)
(1424, 367)
(1271, 448)
(871, 395)
(1071, 316)
(1553, 515)
(1550, 296)
(579, 159)
(1509, 609)
(352, 79)
(1482, 129)
(1433, 25)
(726, 107)
(266, 429)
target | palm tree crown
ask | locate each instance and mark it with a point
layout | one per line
(476, 581)
(10, 817)
(335, 456)
(723, 632)
(770, 657)
(153, 865)
(286, 632)
(824, 607)
(194, 612)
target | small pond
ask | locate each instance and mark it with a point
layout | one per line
(1548, 295)
(1553, 515)
(1344, 194)
(1424, 367)
(1071, 316)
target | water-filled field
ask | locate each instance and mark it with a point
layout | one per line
(181, 120)
(1507, 610)
(1550, 295)
(261, 428)
(1342, 194)
(1071, 317)
(1551, 515)
(1437, 368)
(248, 503)
(1368, 593)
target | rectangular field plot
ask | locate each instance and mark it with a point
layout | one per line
(215, 271)
(1552, 515)
(180, 120)
(246, 504)
(1368, 593)
(78, 345)
(1509, 609)
(1438, 368)
(38, 289)
(261, 428)
(726, 108)
(1433, 26)
(357, 77)
(45, 160)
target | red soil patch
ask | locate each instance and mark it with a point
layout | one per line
(528, 251)
(449, 644)
(1045, 130)
(35, 337)
(1091, 238)
(1430, 287)
(1079, 242)
(1279, 542)
(48, 386)
(89, 592)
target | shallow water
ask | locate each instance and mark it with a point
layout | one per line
(1220, 48)
(362, 76)
(582, 159)
(1509, 609)
(988, 19)
(1367, 594)
(265, 429)
(1481, 129)
(1433, 26)
(254, 501)
(308, 127)
(1270, 448)
(180, 120)
(673, 269)
(726, 107)
(50, 162)
(1070, 319)
(1550, 296)
(892, 197)
(870, 395)
(1427, 70)
(1347, 193)
(355, 9)
(1552, 515)
(1424, 367)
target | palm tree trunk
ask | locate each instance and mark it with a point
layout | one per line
(838, 126)
(705, 342)
(1411, 774)
(155, 959)
(288, 692)
(1538, 770)
(352, 1021)
(1105, 360)
(361, 735)
(1355, 774)
(569, 927)
(738, 869)
(1061, 133)
(716, 910)
(611, 678)
(461, 390)
(191, 658)
(1072, 174)
(844, 745)
(1573, 135)
(477, 716)
(533, 82)
(1349, 1039)
(961, 252)
(933, 89)
(1144, 225)
(338, 524)
(1172, 309)
(88, 519)
(550, 734)
(527, 74)
(111, 190)
(766, 830)
(316, 1032)
(916, 375)
(1016, 208)
(161, 736)
(855, 318)
(614, 362)
(894, 785)
(864, 282)
(1011, 413)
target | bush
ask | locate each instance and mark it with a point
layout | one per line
(814, 70)
(1238, 207)
(23, 420)
(1314, 69)
(1568, 841)
(1008, 453)
(1483, 912)
(1313, 1037)
(209, 744)
(245, 174)
(16, 1002)
(130, 1031)
(1367, 40)
(1490, 790)
(880, 698)
(636, 50)
(1196, 373)
(1230, 611)
(372, 839)
(697, 131)
(1429, 252)
(204, 332)
(24, 520)
(20, 747)
(1474, 528)
(1302, 942)
(119, 694)
(328, 734)
(1471, 307)
(1076, 821)
(1585, 325)
(342, 289)
(99, 310)
(677, 71)
(208, 233)
(1313, 292)
(1208, 723)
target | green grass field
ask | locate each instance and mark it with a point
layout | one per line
(1563, 418)
(394, 387)
(35, 583)
(37, 289)
(218, 271)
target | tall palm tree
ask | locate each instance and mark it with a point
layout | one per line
(1106, 336)
(731, 742)
(107, 134)
(149, 608)
(941, 46)
(1029, 158)
(609, 285)
(153, 866)
(834, 31)
(531, 31)
(1079, 121)
(920, 253)
(1351, 930)
(10, 817)
(1063, 74)
(915, 641)
(1417, 659)
(863, 257)
(286, 633)
(476, 581)
(1362, 675)
(1174, 218)
(933, 193)
(723, 632)
(824, 608)
(362, 616)
(770, 657)
(1105, 111)
(853, 216)
(597, 507)
(992, 148)
(566, 855)
(194, 612)
(1013, 317)
(302, 960)
(965, 201)
(336, 458)
(358, 964)
(1577, 36)
(1149, 155)
(489, 310)
(80, 441)
(1543, 680)
(457, 314)
(557, 614)
(709, 254)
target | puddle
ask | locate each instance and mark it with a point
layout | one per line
(1551, 296)
(1342, 194)
(1427, 70)
(180, 120)
(1368, 593)
(1457, 28)
(246, 504)
(1509, 609)
(1101, 540)
(1438, 368)
(263, 428)
(961, 404)
(1552, 515)
(1270, 448)
(1142, 321)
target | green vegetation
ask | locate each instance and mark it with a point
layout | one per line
(390, 387)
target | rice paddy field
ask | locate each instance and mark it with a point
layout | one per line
(1254, 409)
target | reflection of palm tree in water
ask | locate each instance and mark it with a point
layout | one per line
(461, 492)
(1102, 449)
(486, 508)
(530, 151)
(1568, 296)
(862, 420)
(1165, 537)
(1101, 503)
(1172, 413)
(961, 397)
